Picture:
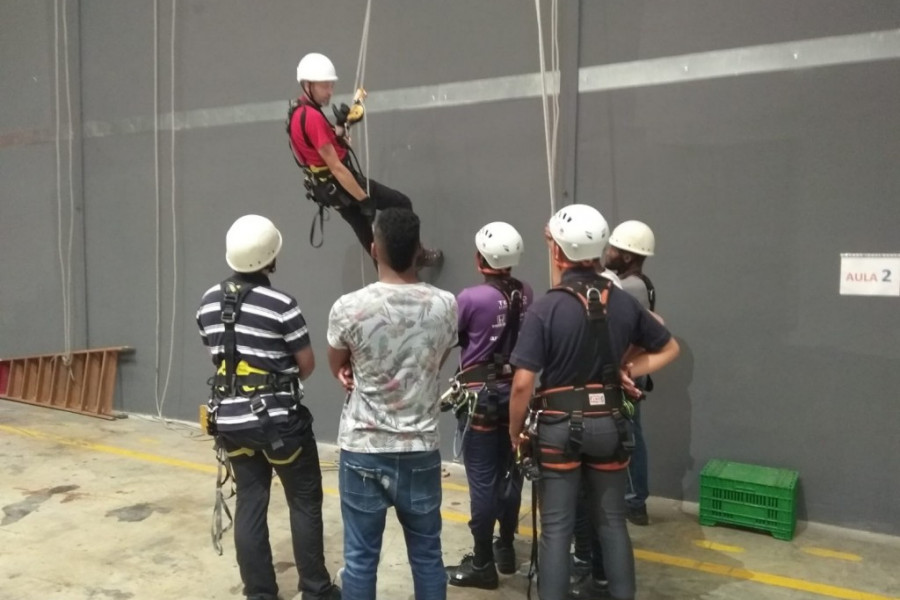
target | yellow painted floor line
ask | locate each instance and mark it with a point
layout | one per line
(456, 517)
(765, 578)
(826, 553)
(718, 547)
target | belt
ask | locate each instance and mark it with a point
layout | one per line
(274, 381)
(485, 373)
(592, 398)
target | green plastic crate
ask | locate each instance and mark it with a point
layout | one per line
(750, 496)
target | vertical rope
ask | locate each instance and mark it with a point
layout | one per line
(59, 217)
(173, 206)
(550, 129)
(359, 82)
(156, 192)
(546, 109)
(65, 258)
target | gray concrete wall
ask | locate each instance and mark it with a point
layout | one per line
(755, 183)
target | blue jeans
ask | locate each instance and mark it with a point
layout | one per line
(638, 479)
(411, 483)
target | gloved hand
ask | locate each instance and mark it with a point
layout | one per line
(340, 113)
(367, 208)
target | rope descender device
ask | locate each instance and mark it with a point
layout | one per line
(348, 115)
(458, 399)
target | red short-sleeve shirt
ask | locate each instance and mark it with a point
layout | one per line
(320, 133)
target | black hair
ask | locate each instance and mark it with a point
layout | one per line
(397, 230)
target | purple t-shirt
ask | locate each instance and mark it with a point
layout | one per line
(482, 317)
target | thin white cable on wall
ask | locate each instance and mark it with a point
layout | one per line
(162, 393)
(174, 211)
(65, 259)
(550, 121)
(59, 221)
(156, 189)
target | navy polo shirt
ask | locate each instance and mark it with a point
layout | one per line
(551, 335)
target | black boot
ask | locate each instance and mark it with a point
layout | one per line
(466, 574)
(505, 557)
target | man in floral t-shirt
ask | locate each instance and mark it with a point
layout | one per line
(387, 343)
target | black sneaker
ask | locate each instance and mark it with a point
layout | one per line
(637, 515)
(505, 558)
(588, 588)
(430, 257)
(466, 574)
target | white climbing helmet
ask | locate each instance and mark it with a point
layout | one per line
(500, 245)
(580, 231)
(633, 236)
(251, 243)
(315, 67)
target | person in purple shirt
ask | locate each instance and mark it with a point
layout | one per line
(489, 317)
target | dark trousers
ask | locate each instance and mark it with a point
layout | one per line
(587, 543)
(487, 456)
(559, 491)
(383, 197)
(253, 464)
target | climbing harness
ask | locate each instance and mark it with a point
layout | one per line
(321, 186)
(587, 399)
(237, 378)
(224, 474)
(467, 385)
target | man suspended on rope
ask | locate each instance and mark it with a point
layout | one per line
(489, 317)
(261, 349)
(579, 428)
(333, 177)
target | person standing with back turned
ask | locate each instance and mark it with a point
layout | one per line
(387, 343)
(260, 346)
(575, 336)
(490, 315)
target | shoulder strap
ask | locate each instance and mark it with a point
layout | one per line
(233, 294)
(651, 291)
(301, 105)
(512, 291)
(594, 295)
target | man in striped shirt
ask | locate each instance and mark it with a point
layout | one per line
(256, 411)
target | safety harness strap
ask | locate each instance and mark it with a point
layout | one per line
(604, 397)
(498, 368)
(651, 298)
(220, 508)
(233, 295)
(651, 291)
(511, 288)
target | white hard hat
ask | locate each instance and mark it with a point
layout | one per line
(500, 245)
(251, 243)
(580, 231)
(633, 236)
(316, 67)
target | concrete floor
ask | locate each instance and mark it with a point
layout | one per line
(114, 510)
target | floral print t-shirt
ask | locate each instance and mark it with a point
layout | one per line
(397, 335)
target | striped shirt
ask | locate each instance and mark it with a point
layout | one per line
(268, 331)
